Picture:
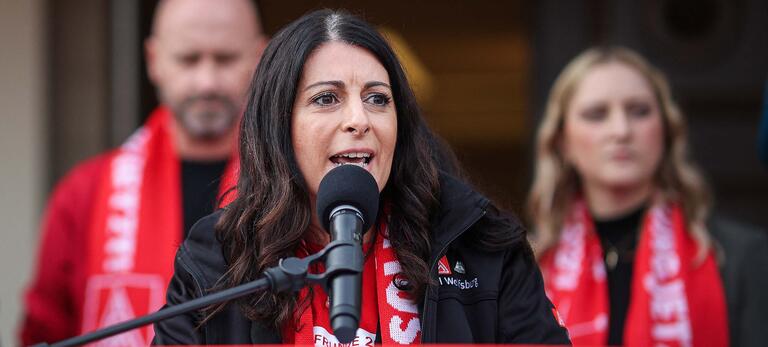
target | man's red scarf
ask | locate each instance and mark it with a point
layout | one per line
(674, 300)
(381, 301)
(136, 229)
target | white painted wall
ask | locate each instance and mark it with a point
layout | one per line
(22, 150)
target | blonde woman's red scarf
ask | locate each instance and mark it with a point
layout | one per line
(382, 303)
(136, 229)
(675, 301)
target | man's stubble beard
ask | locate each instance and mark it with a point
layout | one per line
(207, 124)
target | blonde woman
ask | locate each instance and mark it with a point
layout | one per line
(623, 234)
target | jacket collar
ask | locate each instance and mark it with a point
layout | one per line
(460, 207)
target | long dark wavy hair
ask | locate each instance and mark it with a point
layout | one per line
(272, 212)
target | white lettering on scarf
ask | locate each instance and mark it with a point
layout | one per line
(568, 266)
(123, 207)
(569, 257)
(323, 338)
(400, 304)
(669, 305)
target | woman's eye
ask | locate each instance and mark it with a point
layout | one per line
(594, 114)
(638, 110)
(326, 99)
(378, 99)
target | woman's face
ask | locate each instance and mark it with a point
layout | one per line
(613, 131)
(344, 113)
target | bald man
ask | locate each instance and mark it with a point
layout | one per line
(113, 223)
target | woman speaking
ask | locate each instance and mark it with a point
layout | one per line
(329, 91)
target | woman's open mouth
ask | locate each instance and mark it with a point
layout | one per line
(361, 159)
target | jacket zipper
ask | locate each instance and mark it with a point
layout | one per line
(437, 259)
(195, 279)
(193, 275)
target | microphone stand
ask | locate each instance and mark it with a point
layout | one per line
(291, 274)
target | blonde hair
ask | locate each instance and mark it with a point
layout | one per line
(555, 182)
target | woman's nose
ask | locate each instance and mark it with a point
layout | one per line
(620, 126)
(356, 120)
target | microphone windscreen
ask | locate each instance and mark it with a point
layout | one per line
(348, 185)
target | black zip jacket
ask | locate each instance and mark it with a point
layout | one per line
(489, 297)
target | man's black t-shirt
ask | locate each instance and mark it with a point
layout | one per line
(199, 188)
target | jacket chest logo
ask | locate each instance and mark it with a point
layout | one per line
(459, 267)
(444, 267)
(445, 275)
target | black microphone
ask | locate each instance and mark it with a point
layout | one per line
(347, 205)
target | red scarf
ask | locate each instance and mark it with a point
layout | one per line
(381, 301)
(135, 230)
(674, 302)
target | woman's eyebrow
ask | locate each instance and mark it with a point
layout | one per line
(337, 84)
(372, 84)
